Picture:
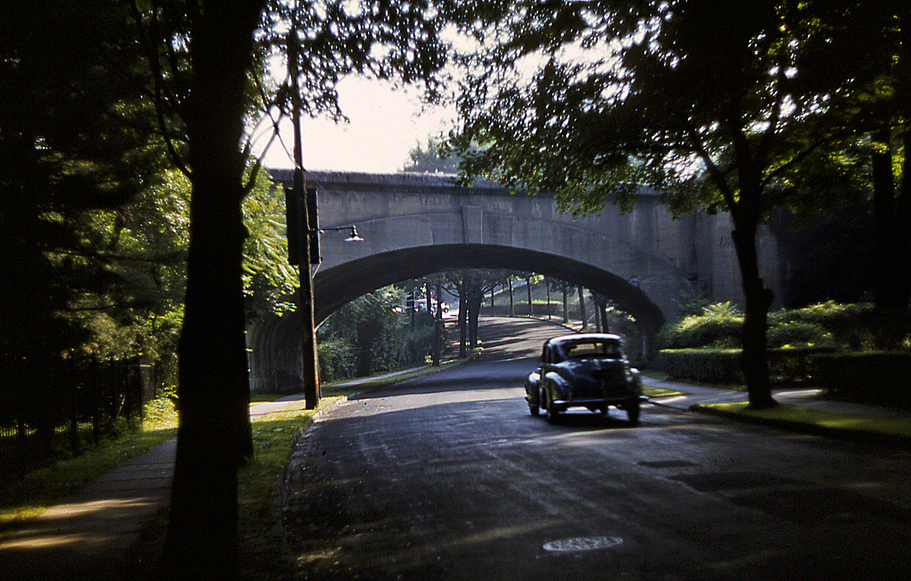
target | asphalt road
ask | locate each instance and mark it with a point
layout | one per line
(449, 477)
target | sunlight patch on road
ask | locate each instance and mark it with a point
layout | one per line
(582, 544)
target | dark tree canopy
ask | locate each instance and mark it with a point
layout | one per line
(75, 137)
(720, 105)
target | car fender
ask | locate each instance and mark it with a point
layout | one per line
(556, 385)
(533, 388)
(636, 378)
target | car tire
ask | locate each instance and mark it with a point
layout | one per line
(632, 411)
(534, 409)
(553, 414)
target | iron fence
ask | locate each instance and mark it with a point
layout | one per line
(84, 402)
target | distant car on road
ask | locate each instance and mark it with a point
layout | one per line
(584, 370)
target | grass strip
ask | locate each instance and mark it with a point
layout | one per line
(30, 495)
(820, 419)
(653, 391)
(261, 537)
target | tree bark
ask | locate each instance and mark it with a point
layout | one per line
(463, 318)
(475, 297)
(582, 307)
(886, 289)
(531, 307)
(758, 298)
(565, 304)
(213, 393)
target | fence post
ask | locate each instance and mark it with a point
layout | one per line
(95, 401)
(72, 382)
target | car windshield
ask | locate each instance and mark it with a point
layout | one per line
(590, 349)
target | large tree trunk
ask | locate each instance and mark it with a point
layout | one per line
(893, 218)
(475, 297)
(463, 318)
(213, 394)
(582, 308)
(886, 288)
(758, 298)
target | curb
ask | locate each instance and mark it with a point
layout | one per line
(861, 436)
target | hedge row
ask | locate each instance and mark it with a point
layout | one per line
(787, 366)
(704, 365)
(826, 324)
(883, 377)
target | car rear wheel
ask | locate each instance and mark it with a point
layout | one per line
(553, 414)
(632, 411)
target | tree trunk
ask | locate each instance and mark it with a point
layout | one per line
(582, 307)
(436, 356)
(758, 298)
(565, 305)
(213, 394)
(547, 286)
(475, 297)
(463, 319)
(886, 291)
(531, 308)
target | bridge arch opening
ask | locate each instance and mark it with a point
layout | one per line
(341, 284)
(274, 344)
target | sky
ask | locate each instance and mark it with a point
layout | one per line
(384, 125)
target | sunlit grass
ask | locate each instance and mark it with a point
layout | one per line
(820, 418)
(31, 494)
(653, 391)
(273, 438)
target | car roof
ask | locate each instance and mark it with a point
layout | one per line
(582, 337)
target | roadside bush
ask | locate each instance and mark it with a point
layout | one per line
(337, 359)
(719, 326)
(876, 377)
(705, 365)
(850, 325)
(710, 329)
(798, 334)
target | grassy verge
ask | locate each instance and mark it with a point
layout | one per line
(31, 494)
(652, 391)
(819, 419)
(261, 537)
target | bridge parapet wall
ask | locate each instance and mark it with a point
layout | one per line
(647, 246)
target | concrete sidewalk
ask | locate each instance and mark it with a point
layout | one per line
(89, 534)
(698, 396)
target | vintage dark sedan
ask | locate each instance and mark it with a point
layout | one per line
(584, 370)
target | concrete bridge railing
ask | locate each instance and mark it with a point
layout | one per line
(417, 224)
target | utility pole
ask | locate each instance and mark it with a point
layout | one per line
(310, 358)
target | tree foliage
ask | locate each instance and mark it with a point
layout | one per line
(202, 55)
(720, 105)
(75, 142)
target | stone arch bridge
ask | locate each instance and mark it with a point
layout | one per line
(418, 224)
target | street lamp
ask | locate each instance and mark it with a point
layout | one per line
(353, 237)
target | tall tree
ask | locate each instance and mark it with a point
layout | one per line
(213, 384)
(75, 138)
(203, 56)
(699, 98)
(875, 105)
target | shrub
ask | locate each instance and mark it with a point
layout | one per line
(799, 334)
(877, 376)
(709, 329)
(708, 365)
(337, 359)
(850, 325)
